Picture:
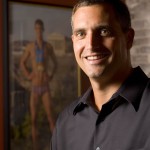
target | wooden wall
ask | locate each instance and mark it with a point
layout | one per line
(1, 81)
(69, 3)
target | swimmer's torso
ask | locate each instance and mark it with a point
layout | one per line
(39, 56)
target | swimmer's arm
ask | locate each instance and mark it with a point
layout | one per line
(23, 61)
(54, 61)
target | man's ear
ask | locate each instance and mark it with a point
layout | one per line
(72, 37)
(130, 37)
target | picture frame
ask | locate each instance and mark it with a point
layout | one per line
(67, 75)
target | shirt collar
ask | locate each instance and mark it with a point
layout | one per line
(83, 101)
(131, 90)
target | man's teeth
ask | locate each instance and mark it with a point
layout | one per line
(95, 57)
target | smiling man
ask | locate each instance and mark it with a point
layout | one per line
(114, 112)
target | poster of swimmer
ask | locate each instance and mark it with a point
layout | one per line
(43, 72)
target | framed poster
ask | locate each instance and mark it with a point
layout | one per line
(43, 74)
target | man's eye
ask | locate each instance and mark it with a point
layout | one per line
(80, 35)
(105, 33)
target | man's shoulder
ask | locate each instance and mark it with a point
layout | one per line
(68, 110)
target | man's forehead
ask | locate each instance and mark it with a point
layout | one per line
(99, 10)
(103, 6)
(95, 13)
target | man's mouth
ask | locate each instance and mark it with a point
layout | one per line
(96, 57)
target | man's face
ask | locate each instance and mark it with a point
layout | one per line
(38, 30)
(100, 46)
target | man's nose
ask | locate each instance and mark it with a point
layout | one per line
(93, 41)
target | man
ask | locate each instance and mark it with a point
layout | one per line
(39, 53)
(114, 112)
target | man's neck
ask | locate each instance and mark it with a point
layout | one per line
(103, 90)
(103, 94)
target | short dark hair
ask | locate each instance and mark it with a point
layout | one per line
(39, 22)
(120, 9)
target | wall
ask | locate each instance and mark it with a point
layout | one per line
(139, 10)
(1, 85)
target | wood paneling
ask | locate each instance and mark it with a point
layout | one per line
(1, 81)
(54, 2)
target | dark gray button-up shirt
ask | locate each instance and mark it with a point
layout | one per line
(122, 124)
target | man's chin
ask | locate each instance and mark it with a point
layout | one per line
(94, 75)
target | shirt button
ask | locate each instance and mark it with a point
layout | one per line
(98, 148)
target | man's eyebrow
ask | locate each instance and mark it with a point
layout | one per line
(104, 26)
(78, 29)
